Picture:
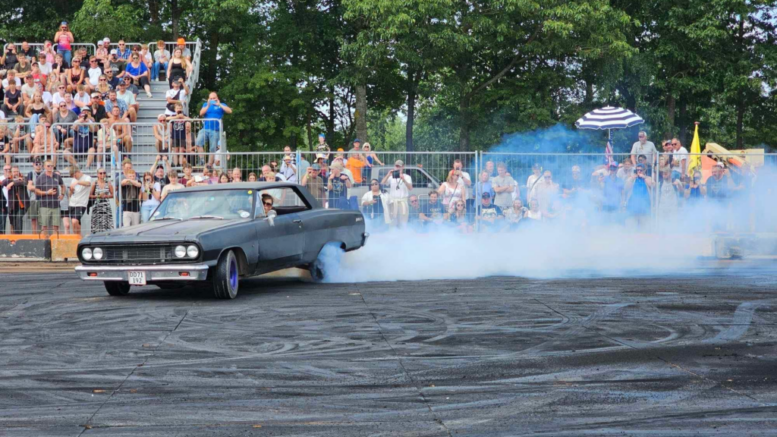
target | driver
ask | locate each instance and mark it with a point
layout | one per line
(267, 203)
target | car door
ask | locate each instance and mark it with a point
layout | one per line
(280, 239)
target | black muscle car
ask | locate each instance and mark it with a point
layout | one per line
(218, 234)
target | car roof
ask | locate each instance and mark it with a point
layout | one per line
(242, 186)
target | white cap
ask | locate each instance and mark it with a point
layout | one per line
(114, 52)
(106, 39)
(99, 43)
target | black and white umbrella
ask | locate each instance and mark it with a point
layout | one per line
(608, 118)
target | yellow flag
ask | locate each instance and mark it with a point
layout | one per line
(694, 160)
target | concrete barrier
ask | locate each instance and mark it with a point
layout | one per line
(65, 247)
(24, 247)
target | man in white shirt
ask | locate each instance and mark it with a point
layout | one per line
(43, 66)
(82, 99)
(79, 198)
(464, 176)
(12, 76)
(643, 147)
(28, 90)
(59, 96)
(399, 186)
(679, 157)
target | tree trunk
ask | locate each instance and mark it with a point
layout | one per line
(330, 125)
(684, 121)
(175, 14)
(360, 115)
(310, 131)
(671, 103)
(153, 10)
(411, 96)
(589, 92)
(464, 125)
(740, 121)
(293, 141)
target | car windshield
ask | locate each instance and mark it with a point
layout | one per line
(220, 204)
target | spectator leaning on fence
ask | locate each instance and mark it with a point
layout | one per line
(643, 147)
(80, 187)
(49, 191)
(211, 129)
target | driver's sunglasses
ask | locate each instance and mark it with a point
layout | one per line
(267, 203)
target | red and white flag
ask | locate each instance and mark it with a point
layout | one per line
(608, 160)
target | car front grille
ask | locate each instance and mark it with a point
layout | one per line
(139, 254)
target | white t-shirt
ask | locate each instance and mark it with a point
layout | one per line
(47, 98)
(679, 155)
(83, 99)
(170, 94)
(531, 186)
(80, 197)
(94, 75)
(57, 99)
(18, 83)
(45, 68)
(398, 189)
(151, 199)
(464, 176)
(647, 149)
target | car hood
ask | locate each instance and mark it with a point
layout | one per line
(161, 231)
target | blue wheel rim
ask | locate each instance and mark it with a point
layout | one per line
(233, 275)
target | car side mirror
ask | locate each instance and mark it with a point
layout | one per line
(271, 217)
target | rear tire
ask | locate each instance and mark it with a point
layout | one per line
(115, 288)
(226, 278)
(327, 259)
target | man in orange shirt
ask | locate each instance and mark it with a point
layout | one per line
(356, 162)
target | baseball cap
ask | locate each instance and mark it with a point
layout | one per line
(106, 39)
(99, 43)
(320, 156)
(357, 141)
(114, 52)
(321, 136)
(181, 41)
(720, 164)
(64, 23)
(399, 163)
(642, 166)
(95, 95)
(613, 165)
(486, 195)
(340, 149)
(315, 167)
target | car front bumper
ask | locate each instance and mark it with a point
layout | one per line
(182, 272)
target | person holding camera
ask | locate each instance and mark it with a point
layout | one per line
(313, 182)
(399, 187)
(638, 195)
(9, 59)
(373, 205)
(337, 185)
(213, 111)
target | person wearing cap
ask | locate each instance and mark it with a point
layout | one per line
(288, 168)
(337, 186)
(720, 184)
(97, 108)
(64, 39)
(185, 52)
(489, 213)
(374, 204)
(638, 196)
(399, 186)
(102, 51)
(161, 58)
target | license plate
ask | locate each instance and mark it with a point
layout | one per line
(137, 278)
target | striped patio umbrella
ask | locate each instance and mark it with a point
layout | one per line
(608, 118)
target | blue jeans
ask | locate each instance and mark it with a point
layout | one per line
(34, 122)
(145, 211)
(156, 69)
(67, 54)
(212, 139)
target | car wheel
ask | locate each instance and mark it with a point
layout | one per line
(115, 288)
(328, 258)
(227, 277)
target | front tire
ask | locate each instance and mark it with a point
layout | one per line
(117, 288)
(226, 278)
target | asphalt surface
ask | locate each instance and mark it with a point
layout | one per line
(680, 355)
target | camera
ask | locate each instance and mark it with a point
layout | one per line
(395, 173)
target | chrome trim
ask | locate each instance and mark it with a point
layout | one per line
(197, 272)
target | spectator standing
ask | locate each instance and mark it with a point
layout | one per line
(187, 180)
(484, 185)
(32, 176)
(174, 185)
(399, 187)
(679, 158)
(374, 206)
(337, 186)
(288, 169)
(643, 147)
(452, 190)
(503, 185)
(213, 111)
(464, 177)
(237, 175)
(322, 148)
(668, 198)
(4, 196)
(8, 60)
(130, 195)
(80, 188)
(532, 181)
(638, 195)
(534, 212)
(433, 211)
(356, 162)
(50, 190)
(371, 156)
(101, 194)
(490, 170)
(573, 184)
(314, 183)
(15, 188)
(161, 60)
(152, 193)
(64, 39)
(185, 52)
(546, 191)
(612, 193)
(27, 51)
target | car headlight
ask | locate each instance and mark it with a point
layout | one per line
(98, 253)
(180, 251)
(87, 254)
(192, 251)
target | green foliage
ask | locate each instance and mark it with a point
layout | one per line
(100, 18)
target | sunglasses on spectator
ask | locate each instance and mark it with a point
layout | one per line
(414, 201)
(374, 183)
(459, 205)
(100, 172)
(103, 80)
